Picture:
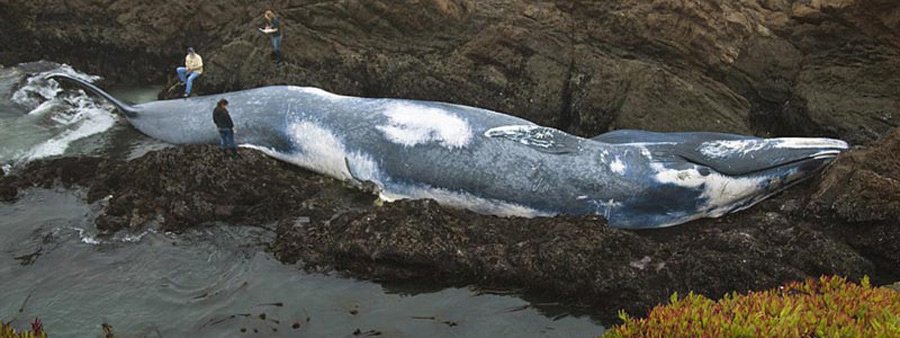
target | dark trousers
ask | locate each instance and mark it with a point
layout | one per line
(227, 141)
(276, 47)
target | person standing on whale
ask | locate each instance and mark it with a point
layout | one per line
(193, 67)
(222, 119)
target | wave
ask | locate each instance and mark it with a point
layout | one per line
(65, 115)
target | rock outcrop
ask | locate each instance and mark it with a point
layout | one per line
(185, 187)
(769, 67)
(863, 187)
(861, 196)
(844, 223)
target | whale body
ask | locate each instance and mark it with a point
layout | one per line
(493, 163)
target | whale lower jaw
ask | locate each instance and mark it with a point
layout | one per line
(792, 174)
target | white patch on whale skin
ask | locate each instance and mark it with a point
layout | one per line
(646, 152)
(532, 135)
(321, 151)
(411, 124)
(319, 92)
(724, 148)
(462, 200)
(606, 208)
(719, 191)
(617, 166)
(808, 142)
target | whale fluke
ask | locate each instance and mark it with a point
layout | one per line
(126, 109)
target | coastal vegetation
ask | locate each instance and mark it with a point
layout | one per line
(37, 330)
(823, 307)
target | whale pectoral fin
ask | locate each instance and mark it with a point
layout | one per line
(364, 185)
(539, 138)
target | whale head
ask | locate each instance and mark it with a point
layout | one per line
(714, 177)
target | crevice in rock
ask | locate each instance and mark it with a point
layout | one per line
(568, 121)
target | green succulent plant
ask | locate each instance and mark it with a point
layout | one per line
(37, 330)
(823, 307)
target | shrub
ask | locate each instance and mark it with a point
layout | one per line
(827, 307)
(37, 331)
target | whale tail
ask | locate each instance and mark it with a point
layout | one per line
(126, 109)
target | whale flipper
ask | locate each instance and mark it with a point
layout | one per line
(539, 138)
(361, 184)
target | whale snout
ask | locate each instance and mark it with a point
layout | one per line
(829, 149)
(811, 154)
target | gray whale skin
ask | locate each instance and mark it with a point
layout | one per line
(493, 163)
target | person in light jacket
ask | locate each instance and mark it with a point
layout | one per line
(193, 67)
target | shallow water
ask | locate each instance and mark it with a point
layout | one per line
(212, 282)
(215, 282)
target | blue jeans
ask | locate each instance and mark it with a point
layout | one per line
(185, 77)
(227, 141)
(276, 46)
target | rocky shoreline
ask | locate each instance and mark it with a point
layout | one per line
(769, 68)
(773, 67)
(820, 227)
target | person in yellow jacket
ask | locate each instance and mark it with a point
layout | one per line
(193, 67)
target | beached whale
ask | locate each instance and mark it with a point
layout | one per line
(494, 163)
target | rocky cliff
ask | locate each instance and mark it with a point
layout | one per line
(768, 67)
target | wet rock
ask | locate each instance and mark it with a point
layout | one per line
(8, 191)
(895, 286)
(189, 186)
(861, 193)
(773, 67)
(577, 258)
(107, 330)
(810, 230)
(863, 186)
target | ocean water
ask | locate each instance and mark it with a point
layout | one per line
(216, 281)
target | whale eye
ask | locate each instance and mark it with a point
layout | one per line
(703, 171)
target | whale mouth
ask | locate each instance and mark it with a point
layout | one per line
(826, 154)
(828, 150)
(750, 156)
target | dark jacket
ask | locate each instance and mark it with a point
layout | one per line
(276, 24)
(222, 118)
